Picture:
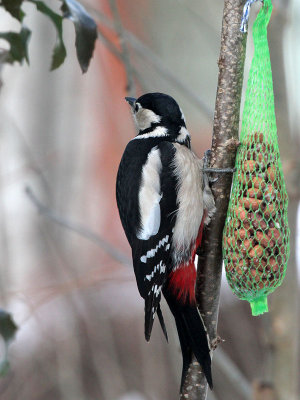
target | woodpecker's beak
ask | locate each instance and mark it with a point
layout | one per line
(131, 101)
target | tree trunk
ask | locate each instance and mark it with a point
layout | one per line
(224, 145)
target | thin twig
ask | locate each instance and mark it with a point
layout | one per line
(211, 396)
(224, 145)
(130, 89)
(166, 73)
(233, 375)
(109, 44)
(200, 19)
(115, 51)
(152, 59)
(79, 229)
(4, 54)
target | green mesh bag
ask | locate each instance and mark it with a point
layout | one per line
(256, 233)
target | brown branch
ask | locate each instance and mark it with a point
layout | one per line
(233, 375)
(118, 54)
(130, 89)
(224, 145)
(263, 391)
(147, 54)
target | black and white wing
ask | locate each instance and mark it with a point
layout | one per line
(150, 232)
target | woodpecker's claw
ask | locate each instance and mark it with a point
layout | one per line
(213, 180)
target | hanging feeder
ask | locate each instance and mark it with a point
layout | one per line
(256, 233)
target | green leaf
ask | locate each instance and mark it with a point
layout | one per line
(18, 45)
(8, 328)
(4, 368)
(14, 8)
(59, 51)
(85, 29)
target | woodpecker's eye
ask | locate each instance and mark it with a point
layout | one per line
(136, 108)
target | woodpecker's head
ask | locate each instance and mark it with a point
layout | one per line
(158, 115)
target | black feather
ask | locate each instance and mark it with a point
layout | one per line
(198, 340)
(185, 348)
(152, 257)
(192, 336)
(128, 180)
(162, 322)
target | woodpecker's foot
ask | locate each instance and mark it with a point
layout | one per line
(215, 342)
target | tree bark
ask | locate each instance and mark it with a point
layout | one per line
(224, 145)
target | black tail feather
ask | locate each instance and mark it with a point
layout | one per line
(149, 316)
(198, 340)
(162, 322)
(152, 307)
(192, 336)
(185, 349)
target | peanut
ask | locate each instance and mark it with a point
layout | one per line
(271, 173)
(240, 234)
(256, 252)
(250, 165)
(258, 137)
(250, 203)
(264, 240)
(258, 183)
(270, 210)
(254, 193)
(241, 213)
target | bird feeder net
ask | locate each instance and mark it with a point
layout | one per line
(256, 233)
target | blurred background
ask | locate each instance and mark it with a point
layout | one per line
(66, 273)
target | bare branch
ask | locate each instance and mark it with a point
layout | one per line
(264, 391)
(79, 229)
(234, 376)
(224, 144)
(3, 57)
(166, 73)
(154, 60)
(114, 50)
(109, 44)
(199, 19)
(130, 89)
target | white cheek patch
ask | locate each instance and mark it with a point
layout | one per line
(145, 118)
(149, 196)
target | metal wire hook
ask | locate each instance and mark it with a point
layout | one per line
(246, 12)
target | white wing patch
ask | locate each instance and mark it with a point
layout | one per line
(151, 253)
(161, 268)
(149, 196)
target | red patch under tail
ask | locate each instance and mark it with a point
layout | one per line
(182, 281)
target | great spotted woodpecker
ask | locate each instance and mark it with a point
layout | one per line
(164, 203)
